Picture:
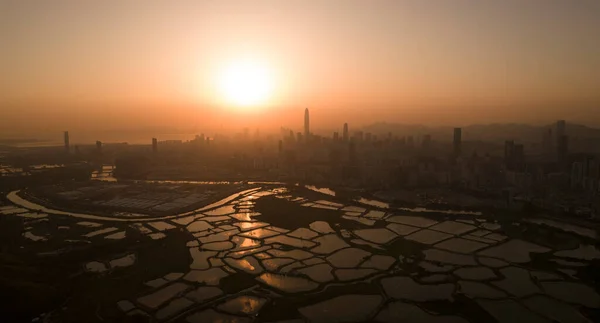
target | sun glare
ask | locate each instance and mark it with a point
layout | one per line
(246, 84)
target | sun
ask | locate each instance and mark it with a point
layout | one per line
(246, 84)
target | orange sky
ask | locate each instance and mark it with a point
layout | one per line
(103, 64)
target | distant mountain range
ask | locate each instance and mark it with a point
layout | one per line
(489, 132)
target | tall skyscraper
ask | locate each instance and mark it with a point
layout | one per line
(561, 130)
(563, 150)
(154, 145)
(509, 148)
(547, 140)
(67, 147)
(306, 125)
(562, 142)
(345, 133)
(99, 146)
(518, 157)
(457, 141)
(352, 152)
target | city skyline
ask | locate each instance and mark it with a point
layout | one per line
(75, 64)
(300, 161)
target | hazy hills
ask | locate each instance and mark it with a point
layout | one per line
(489, 132)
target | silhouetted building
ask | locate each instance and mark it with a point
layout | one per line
(67, 147)
(547, 140)
(368, 137)
(518, 157)
(336, 136)
(509, 148)
(306, 125)
(154, 145)
(299, 137)
(99, 146)
(359, 136)
(563, 150)
(457, 141)
(352, 152)
(426, 143)
(345, 135)
(410, 141)
(561, 130)
(280, 147)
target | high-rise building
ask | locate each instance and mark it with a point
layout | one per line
(368, 137)
(154, 145)
(336, 136)
(457, 141)
(563, 150)
(561, 130)
(410, 141)
(280, 146)
(299, 137)
(547, 140)
(352, 152)
(345, 135)
(99, 146)
(426, 143)
(509, 148)
(67, 147)
(518, 158)
(306, 125)
(359, 136)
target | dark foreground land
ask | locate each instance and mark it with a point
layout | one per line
(275, 254)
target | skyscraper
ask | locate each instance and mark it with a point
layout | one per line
(154, 145)
(345, 133)
(426, 142)
(67, 148)
(547, 140)
(563, 150)
(457, 141)
(509, 148)
(336, 136)
(562, 142)
(352, 152)
(99, 146)
(306, 125)
(561, 130)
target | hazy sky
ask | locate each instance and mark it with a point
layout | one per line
(105, 63)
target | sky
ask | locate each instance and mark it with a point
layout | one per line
(101, 65)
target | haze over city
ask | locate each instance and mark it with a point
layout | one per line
(109, 65)
(308, 161)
